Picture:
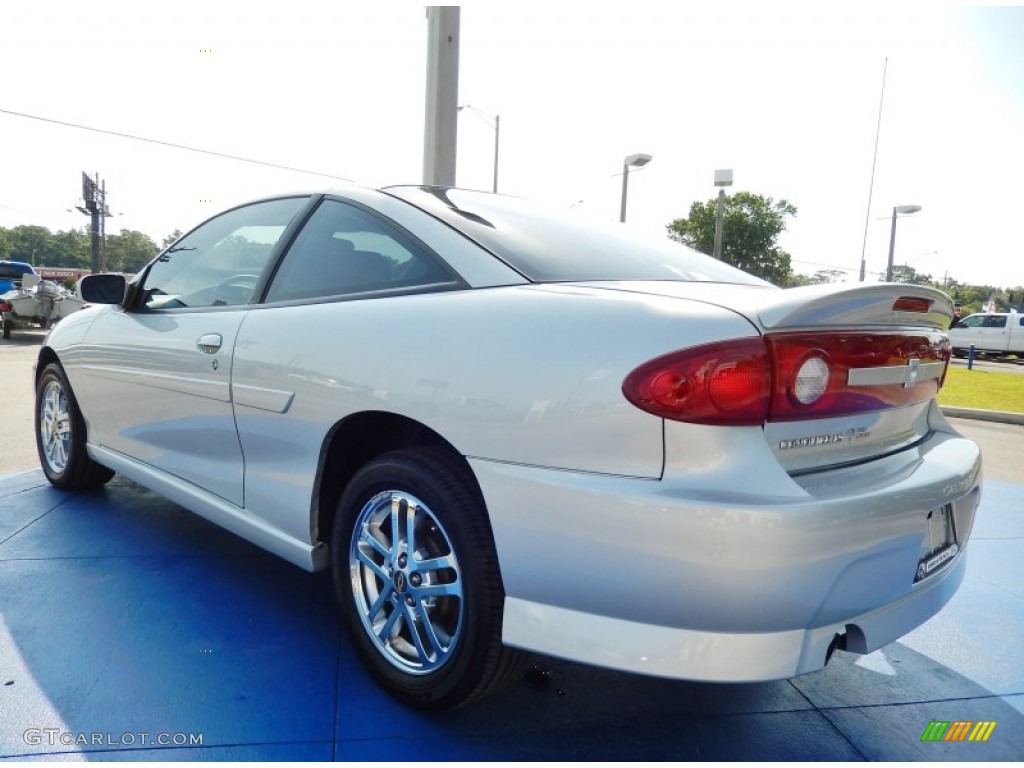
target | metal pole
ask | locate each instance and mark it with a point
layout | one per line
(625, 184)
(874, 162)
(718, 223)
(440, 130)
(103, 227)
(892, 247)
(95, 211)
(497, 129)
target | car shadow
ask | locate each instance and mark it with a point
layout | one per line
(123, 615)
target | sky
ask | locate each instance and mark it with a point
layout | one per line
(785, 94)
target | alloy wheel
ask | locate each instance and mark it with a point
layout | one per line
(407, 582)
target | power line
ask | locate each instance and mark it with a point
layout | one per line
(107, 132)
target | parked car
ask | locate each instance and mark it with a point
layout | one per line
(996, 333)
(506, 428)
(12, 273)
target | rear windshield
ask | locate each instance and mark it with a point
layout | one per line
(14, 270)
(547, 244)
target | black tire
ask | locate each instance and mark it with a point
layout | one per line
(8, 327)
(461, 657)
(60, 435)
(959, 353)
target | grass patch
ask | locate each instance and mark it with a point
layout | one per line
(990, 390)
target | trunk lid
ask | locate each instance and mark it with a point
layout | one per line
(886, 352)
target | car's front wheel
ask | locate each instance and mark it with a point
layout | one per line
(417, 580)
(60, 435)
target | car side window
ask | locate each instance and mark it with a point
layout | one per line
(995, 321)
(974, 321)
(220, 262)
(344, 250)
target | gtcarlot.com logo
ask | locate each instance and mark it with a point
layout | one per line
(958, 730)
(54, 737)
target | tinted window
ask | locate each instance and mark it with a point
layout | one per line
(343, 249)
(995, 321)
(14, 270)
(220, 262)
(550, 245)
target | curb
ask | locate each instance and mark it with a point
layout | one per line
(979, 414)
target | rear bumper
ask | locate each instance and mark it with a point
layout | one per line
(727, 568)
(717, 656)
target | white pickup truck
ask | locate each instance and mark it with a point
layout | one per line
(999, 333)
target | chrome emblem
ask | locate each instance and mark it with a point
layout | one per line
(817, 441)
(915, 368)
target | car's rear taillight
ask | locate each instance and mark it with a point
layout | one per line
(865, 371)
(4, 306)
(723, 383)
(791, 376)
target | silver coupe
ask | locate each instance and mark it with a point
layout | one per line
(506, 428)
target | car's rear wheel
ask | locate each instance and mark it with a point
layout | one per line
(8, 327)
(417, 579)
(60, 435)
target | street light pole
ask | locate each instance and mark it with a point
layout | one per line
(497, 134)
(497, 131)
(906, 210)
(638, 160)
(723, 179)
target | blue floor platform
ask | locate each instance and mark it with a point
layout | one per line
(123, 615)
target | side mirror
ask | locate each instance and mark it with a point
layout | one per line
(102, 289)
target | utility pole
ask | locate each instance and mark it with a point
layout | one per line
(94, 197)
(439, 135)
(874, 162)
(723, 178)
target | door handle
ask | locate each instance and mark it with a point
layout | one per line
(209, 343)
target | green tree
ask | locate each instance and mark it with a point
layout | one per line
(902, 273)
(796, 279)
(128, 251)
(70, 249)
(30, 243)
(751, 225)
(828, 276)
(170, 238)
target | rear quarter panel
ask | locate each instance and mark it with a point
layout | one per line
(527, 374)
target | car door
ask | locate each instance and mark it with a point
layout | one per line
(297, 369)
(158, 377)
(984, 331)
(968, 332)
(995, 334)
